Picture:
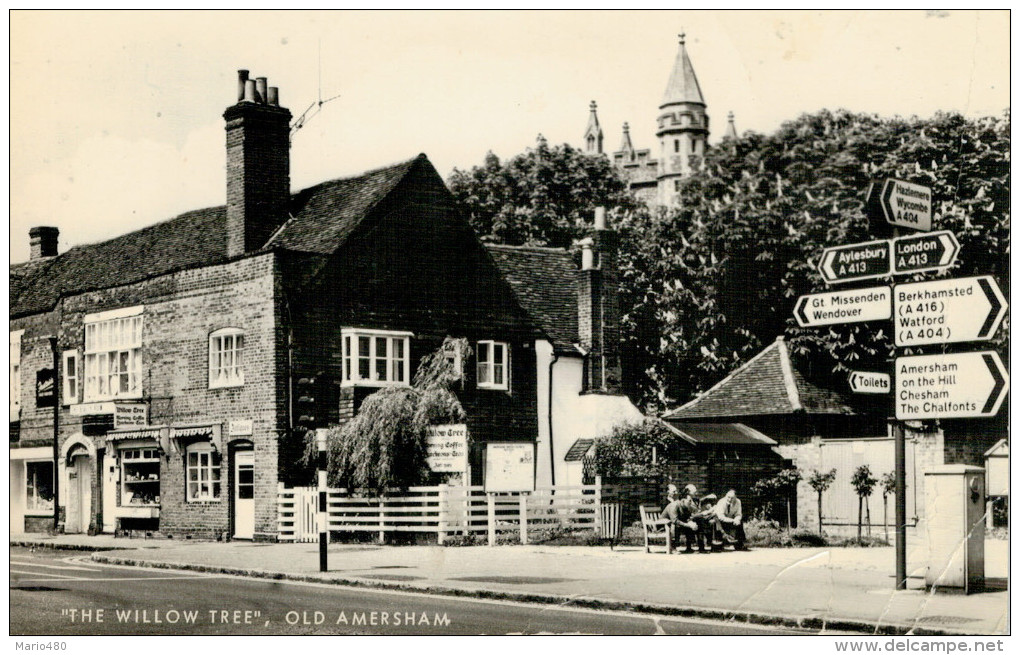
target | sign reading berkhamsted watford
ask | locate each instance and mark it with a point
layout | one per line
(960, 385)
(948, 311)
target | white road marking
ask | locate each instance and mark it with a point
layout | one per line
(48, 575)
(68, 579)
(21, 561)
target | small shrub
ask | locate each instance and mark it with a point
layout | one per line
(808, 539)
(766, 533)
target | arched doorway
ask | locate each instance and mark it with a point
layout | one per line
(80, 471)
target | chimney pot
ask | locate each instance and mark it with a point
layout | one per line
(274, 96)
(42, 241)
(242, 77)
(249, 91)
(587, 257)
(260, 89)
(600, 218)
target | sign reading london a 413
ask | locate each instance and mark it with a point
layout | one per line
(948, 311)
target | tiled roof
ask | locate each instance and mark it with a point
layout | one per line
(720, 433)
(683, 83)
(577, 451)
(768, 384)
(544, 281)
(323, 216)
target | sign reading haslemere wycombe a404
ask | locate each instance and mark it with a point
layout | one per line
(905, 204)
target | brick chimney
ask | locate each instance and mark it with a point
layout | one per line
(43, 241)
(598, 309)
(258, 165)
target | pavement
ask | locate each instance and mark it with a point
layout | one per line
(826, 589)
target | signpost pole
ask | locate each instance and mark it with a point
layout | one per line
(320, 442)
(56, 434)
(900, 446)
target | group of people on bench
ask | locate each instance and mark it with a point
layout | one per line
(710, 523)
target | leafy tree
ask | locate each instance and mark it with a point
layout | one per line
(544, 196)
(384, 445)
(706, 285)
(888, 482)
(638, 448)
(780, 487)
(821, 482)
(863, 483)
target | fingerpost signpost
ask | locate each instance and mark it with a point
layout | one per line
(938, 312)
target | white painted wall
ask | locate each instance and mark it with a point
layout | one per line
(574, 416)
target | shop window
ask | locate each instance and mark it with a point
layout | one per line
(113, 355)
(71, 377)
(493, 369)
(139, 471)
(226, 358)
(376, 358)
(39, 486)
(202, 473)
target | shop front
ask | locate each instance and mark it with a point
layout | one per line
(31, 489)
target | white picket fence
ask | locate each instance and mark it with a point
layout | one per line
(443, 509)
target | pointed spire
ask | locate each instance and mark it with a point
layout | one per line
(626, 145)
(683, 83)
(593, 133)
(731, 127)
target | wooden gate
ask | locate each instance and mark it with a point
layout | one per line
(839, 504)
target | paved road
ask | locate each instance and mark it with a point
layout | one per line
(57, 592)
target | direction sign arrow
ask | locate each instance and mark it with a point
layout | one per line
(855, 306)
(925, 252)
(961, 385)
(867, 382)
(857, 261)
(948, 311)
(905, 204)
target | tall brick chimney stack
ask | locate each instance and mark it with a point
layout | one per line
(598, 308)
(43, 241)
(258, 164)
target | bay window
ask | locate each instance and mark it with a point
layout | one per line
(375, 357)
(226, 358)
(113, 355)
(493, 365)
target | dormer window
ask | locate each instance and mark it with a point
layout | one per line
(493, 365)
(376, 358)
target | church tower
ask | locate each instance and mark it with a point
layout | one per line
(593, 133)
(682, 127)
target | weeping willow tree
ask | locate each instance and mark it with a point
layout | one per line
(384, 446)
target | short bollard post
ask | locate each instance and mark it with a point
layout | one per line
(320, 441)
(492, 519)
(524, 518)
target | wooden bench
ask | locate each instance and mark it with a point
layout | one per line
(655, 528)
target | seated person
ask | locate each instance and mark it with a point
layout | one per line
(730, 520)
(679, 513)
(706, 520)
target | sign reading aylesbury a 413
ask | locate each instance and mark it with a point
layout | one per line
(948, 311)
(925, 252)
(961, 385)
(905, 204)
(857, 261)
(868, 382)
(834, 307)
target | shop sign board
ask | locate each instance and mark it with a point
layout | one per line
(447, 448)
(948, 311)
(960, 385)
(836, 307)
(130, 415)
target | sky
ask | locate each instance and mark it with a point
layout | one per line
(116, 117)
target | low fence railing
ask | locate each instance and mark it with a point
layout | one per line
(445, 510)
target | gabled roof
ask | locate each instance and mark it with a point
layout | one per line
(731, 434)
(322, 217)
(683, 83)
(544, 282)
(767, 384)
